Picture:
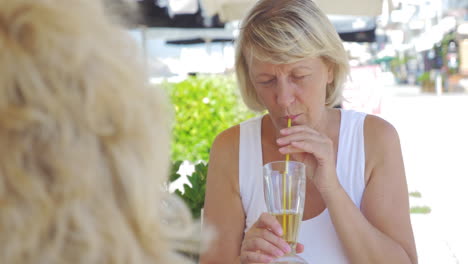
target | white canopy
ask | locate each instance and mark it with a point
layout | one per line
(230, 10)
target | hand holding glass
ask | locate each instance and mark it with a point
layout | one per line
(284, 190)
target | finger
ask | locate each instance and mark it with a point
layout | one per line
(272, 239)
(296, 129)
(301, 147)
(299, 248)
(255, 257)
(319, 149)
(262, 245)
(300, 136)
(267, 221)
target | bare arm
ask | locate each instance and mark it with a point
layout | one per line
(223, 207)
(224, 211)
(382, 233)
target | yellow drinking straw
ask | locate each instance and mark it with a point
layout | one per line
(284, 188)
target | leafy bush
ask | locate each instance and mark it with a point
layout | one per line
(424, 77)
(204, 106)
(193, 196)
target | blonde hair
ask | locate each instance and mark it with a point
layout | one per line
(287, 31)
(83, 140)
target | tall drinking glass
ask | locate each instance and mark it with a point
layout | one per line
(284, 189)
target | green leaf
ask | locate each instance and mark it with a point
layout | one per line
(194, 195)
(174, 175)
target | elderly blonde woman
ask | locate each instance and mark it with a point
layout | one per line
(83, 141)
(291, 62)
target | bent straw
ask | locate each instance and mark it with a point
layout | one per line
(284, 187)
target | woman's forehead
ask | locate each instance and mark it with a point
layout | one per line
(257, 66)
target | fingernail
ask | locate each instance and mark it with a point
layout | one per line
(279, 231)
(287, 248)
(279, 141)
(279, 253)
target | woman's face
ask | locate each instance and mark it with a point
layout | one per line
(296, 90)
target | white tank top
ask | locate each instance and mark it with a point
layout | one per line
(317, 234)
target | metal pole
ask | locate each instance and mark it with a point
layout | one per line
(144, 47)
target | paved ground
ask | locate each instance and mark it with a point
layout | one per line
(434, 135)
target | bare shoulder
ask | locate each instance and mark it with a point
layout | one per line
(228, 137)
(381, 143)
(224, 158)
(379, 135)
(226, 145)
(378, 130)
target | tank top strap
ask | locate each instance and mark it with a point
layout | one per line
(351, 160)
(250, 170)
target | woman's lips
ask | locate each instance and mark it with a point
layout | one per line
(292, 117)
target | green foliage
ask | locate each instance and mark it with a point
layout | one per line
(204, 106)
(444, 43)
(415, 194)
(420, 210)
(173, 176)
(424, 77)
(193, 196)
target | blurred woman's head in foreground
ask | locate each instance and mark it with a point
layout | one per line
(84, 142)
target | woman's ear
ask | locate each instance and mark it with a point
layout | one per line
(330, 69)
(330, 73)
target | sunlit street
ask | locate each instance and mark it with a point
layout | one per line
(434, 136)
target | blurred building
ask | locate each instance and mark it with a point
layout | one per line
(421, 42)
(428, 40)
(182, 37)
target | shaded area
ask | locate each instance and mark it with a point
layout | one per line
(350, 28)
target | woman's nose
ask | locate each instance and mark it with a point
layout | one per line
(285, 95)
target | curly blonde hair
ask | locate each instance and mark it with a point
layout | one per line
(287, 31)
(83, 140)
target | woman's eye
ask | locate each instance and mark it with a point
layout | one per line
(266, 82)
(299, 77)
